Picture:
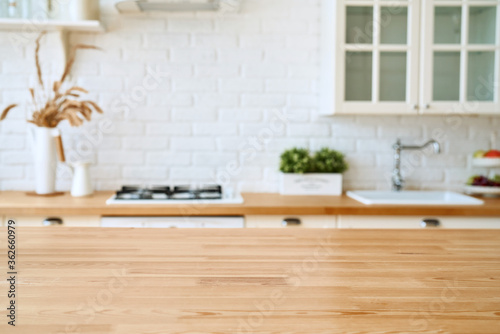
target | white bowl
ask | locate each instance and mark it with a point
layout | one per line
(479, 190)
(486, 162)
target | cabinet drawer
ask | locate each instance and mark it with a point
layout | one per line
(417, 222)
(69, 221)
(173, 222)
(291, 221)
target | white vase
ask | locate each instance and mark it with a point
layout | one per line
(45, 157)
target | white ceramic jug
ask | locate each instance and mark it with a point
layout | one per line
(82, 185)
(44, 150)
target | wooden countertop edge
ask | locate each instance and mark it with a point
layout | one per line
(17, 203)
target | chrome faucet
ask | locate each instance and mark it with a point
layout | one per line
(397, 178)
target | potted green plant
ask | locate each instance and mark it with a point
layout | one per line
(303, 173)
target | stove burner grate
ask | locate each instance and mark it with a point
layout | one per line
(169, 193)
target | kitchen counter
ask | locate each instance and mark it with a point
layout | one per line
(18, 203)
(129, 281)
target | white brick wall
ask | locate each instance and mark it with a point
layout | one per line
(227, 77)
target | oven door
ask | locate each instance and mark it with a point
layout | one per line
(173, 222)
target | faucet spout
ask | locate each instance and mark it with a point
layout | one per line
(435, 145)
(397, 178)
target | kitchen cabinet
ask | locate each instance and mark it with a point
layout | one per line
(410, 57)
(417, 222)
(372, 222)
(460, 56)
(172, 222)
(69, 221)
(266, 221)
(276, 221)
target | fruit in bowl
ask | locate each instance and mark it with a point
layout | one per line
(492, 154)
(483, 181)
(479, 154)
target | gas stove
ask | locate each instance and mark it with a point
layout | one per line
(209, 194)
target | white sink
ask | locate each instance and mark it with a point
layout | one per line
(413, 198)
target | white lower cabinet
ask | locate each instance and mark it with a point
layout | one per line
(273, 221)
(372, 222)
(418, 222)
(265, 221)
(69, 221)
(173, 222)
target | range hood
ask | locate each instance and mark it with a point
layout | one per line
(137, 6)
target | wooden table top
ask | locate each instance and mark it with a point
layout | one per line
(18, 203)
(132, 281)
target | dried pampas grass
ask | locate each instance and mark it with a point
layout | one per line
(6, 111)
(71, 60)
(59, 106)
(37, 59)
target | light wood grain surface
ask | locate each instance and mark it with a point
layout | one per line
(131, 281)
(18, 203)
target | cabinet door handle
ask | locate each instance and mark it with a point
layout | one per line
(425, 223)
(415, 106)
(53, 221)
(287, 222)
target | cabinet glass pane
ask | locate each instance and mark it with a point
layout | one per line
(358, 76)
(481, 67)
(482, 25)
(447, 25)
(446, 83)
(392, 76)
(359, 25)
(393, 25)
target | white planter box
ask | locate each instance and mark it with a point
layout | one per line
(311, 184)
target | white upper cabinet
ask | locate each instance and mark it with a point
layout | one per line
(460, 56)
(410, 56)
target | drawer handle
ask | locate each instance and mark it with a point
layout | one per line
(425, 223)
(53, 221)
(287, 222)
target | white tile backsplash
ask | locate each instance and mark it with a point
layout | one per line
(224, 78)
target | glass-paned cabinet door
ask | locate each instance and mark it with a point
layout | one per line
(461, 56)
(377, 56)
